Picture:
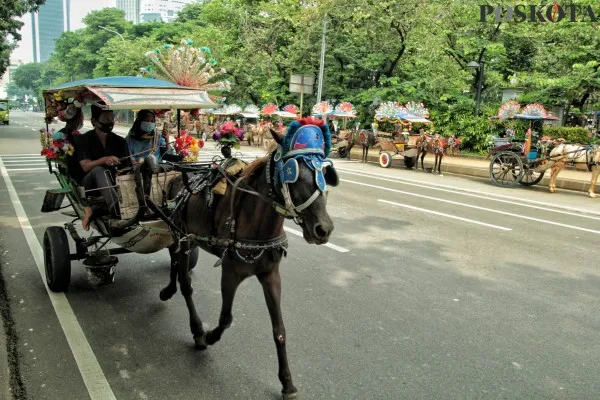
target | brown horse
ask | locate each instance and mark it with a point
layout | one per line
(431, 144)
(364, 138)
(246, 225)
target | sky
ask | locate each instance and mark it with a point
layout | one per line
(79, 9)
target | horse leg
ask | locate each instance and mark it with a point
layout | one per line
(440, 164)
(595, 173)
(168, 291)
(423, 154)
(554, 174)
(271, 283)
(229, 284)
(185, 284)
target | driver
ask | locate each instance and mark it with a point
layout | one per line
(101, 153)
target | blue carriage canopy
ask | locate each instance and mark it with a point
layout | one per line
(128, 92)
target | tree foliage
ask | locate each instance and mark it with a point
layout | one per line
(400, 50)
(10, 11)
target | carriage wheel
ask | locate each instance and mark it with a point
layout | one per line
(385, 160)
(506, 169)
(57, 259)
(409, 162)
(530, 176)
(342, 152)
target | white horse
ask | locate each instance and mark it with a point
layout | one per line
(564, 154)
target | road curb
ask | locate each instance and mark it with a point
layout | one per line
(478, 172)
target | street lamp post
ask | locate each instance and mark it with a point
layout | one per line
(322, 64)
(113, 31)
(479, 67)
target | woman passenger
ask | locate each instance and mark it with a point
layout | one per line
(140, 139)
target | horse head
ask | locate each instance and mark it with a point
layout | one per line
(301, 175)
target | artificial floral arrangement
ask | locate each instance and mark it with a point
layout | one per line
(188, 146)
(55, 145)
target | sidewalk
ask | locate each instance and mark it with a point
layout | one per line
(570, 179)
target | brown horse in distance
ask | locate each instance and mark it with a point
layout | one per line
(431, 144)
(364, 138)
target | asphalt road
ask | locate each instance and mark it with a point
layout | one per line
(450, 289)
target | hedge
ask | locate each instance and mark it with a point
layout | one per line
(574, 135)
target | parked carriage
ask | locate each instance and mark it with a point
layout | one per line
(399, 143)
(516, 162)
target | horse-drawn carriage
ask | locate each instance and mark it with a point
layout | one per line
(396, 141)
(524, 162)
(135, 230)
(227, 208)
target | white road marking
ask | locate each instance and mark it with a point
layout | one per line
(9, 161)
(481, 195)
(91, 372)
(473, 207)
(33, 129)
(330, 245)
(445, 215)
(25, 164)
(20, 155)
(27, 169)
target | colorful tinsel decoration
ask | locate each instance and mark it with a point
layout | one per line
(417, 109)
(269, 109)
(232, 109)
(345, 108)
(508, 110)
(535, 109)
(252, 109)
(322, 108)
(186, 65)
(389, 109)
(292, 109)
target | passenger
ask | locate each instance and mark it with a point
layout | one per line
(140, 139)
(73, 116)
(101, 153)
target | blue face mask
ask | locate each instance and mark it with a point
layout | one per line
(147, 126)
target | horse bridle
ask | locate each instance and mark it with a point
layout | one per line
(280, 187)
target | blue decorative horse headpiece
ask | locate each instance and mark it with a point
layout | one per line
(308, 139)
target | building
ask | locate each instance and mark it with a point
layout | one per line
(131, 8)
(47, 25)
(161, 10)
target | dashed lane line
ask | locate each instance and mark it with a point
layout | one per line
(330, 245)
(425, 210)
(481, 195)
(490, 210)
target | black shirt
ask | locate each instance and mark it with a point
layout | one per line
(89, 147)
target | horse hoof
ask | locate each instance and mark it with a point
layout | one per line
(290, 396)
(200, 342)
(592, 195)
(166, 294)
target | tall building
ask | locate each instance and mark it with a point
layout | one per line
(131, 8)
(161, 10)
(47, 25)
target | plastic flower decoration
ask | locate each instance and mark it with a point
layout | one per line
(188, 146)
(55, 145)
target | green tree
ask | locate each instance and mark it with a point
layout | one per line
(10, 11)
